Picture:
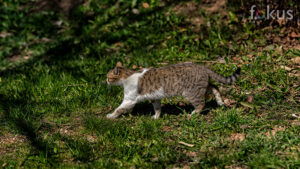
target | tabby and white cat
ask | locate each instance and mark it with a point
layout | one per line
(184, 79)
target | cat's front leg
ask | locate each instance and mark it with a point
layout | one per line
(123, 108)
(157, 108)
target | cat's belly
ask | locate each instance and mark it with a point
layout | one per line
(158, 94)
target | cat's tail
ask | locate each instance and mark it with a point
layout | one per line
(226, 80)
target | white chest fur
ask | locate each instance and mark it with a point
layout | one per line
(131, 89)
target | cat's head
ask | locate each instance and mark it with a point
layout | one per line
(117, 74)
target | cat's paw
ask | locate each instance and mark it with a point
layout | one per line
(111, 116)
(194, 112)
(155, 117)
(221, 103)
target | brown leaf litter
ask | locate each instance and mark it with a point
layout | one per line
(234, 166)
(191, 10)
(274, 131)
(237, 136)
(10, 142)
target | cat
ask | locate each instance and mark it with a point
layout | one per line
(187, 79)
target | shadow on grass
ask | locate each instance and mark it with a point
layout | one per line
(147, 109)
(69, 49)
(24, 123)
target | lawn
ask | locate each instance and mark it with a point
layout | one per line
(54, 99)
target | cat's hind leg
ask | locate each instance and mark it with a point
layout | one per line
(157, 108)
(197, 98)
(217, 94)
(215, 91)
(126, 106)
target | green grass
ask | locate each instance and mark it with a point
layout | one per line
(57, 100)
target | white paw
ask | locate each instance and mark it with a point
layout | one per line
(155, 117)
(193, 112)
(220, 103)
(111, 116)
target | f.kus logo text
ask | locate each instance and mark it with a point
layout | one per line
(270, 13)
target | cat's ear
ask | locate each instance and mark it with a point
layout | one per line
(119, 64)
(117, 70)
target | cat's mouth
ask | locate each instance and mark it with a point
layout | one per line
(109, 81)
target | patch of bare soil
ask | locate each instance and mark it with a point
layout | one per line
(215, 6)
(9, 143)
(73, 129)
(65, 6)
(235, 167)
(191, 10)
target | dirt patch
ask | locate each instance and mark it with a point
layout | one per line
(73, 129)
(192, 11)
(9, 143)
(215, 6)
(65, 6)
(192, 8)
(235, 167)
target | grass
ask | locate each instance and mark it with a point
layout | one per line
(55, 102)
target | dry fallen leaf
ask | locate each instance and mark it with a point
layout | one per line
(250, 99)
(145, 5)
(5, 34)
(135, 11)
(166, 128)
(191, 154)
(236, 58)
(295, 122)
(14, 58)
(186, 144)
(229, 102)
(186, 167)
(91, 139)
(250, 55)
(297, 47)
(234, 167)
(295, 35)
(297, 74)
(286, 68)
(26, 57)
(279, 49)
(281, 21)
(237, 136)
(296, 60)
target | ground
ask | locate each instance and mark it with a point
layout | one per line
(53, 96)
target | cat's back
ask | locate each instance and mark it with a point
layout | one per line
(170, 78)
(174, 70)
